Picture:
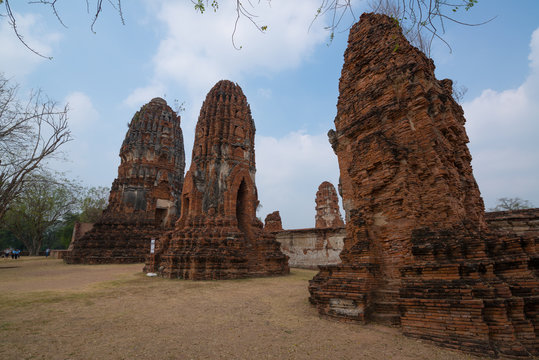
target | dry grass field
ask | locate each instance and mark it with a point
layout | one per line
(50, 310)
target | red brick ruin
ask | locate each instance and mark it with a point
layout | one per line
(418, 251)
(328, 214)
(273, 222)
(144, 198)
(218, 235)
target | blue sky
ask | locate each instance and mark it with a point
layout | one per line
(290, 77)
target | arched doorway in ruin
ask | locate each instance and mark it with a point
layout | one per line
(242, 209)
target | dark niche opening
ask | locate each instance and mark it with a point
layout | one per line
(242, 209)
(160, 215)
(185, 207)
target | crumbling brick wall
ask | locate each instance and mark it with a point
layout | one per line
(418, 251)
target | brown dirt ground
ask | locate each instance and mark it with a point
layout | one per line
(50, 310)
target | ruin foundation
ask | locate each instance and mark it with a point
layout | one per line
(144, 198)
(418, 251)
(218, 235)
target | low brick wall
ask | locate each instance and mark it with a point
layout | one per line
(520, 222)
(308, 248)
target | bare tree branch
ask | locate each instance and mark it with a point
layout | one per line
(117, 5)
(13, 24)
(422, 20)
(30, 133)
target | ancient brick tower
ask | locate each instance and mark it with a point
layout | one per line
(328, 214)
(273, 223)
(145, 197)
(418, 252)
(218, 235)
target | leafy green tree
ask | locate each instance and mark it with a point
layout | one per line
(93, 202)
(44, 201)
(8, 240)
(59, 236)
(508, 204)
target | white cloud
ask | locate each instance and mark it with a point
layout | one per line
(143, 95)
(82, 114)
(289, 171)
(503, 128)
(83, 119)
(196, 50)
(91, 154)
(16, 59)
(265, 93)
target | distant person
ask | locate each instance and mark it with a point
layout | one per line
(7, 252)
(47, 252)
(17, 253)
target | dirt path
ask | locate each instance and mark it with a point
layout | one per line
(56, 311)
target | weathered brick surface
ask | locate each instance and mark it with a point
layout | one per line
(418, 251)
(145, 197)
(328, 214)
(273, 222)
(520, 222)
(218, 235)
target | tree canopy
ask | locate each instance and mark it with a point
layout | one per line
(45, 199)
(509, 204)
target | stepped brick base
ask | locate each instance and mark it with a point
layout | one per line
(214, 253)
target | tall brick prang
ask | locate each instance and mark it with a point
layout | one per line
(328, 214)
(418, 251)
(218, 235)
(145, 197)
